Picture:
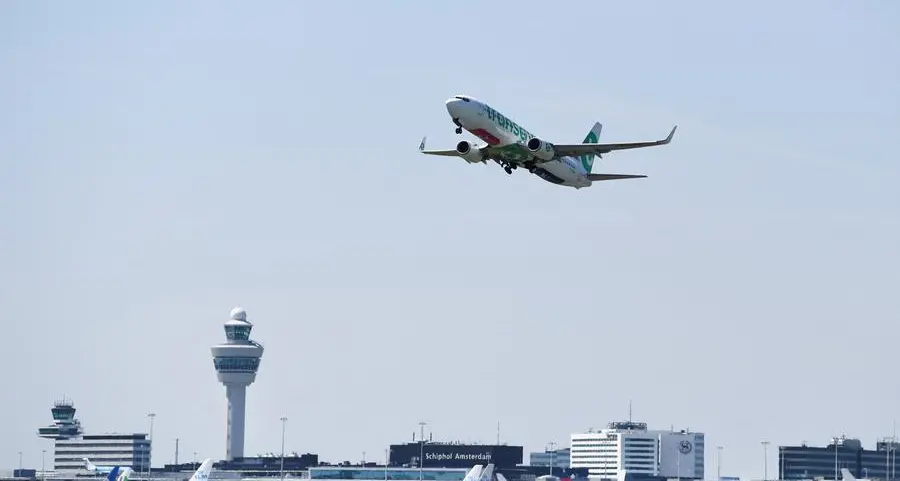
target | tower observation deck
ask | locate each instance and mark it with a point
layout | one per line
(64, 426)
(236, 361)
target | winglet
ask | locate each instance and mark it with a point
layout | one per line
(422, 145)
(671, 134)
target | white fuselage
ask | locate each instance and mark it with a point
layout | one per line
(500, 131)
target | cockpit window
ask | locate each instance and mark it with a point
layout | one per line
(461, 97)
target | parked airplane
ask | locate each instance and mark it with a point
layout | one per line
(118, 474)
(512, 146)
(202, 473)
(480, 473)
(88, 465)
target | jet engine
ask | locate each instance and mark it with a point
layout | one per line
(540, 149)
(468, 153)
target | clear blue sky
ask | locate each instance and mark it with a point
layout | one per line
(163, 162)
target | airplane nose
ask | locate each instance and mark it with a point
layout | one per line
(453, 106)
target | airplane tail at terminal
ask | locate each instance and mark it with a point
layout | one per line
(474, 474)
(89, 465)
(202, 473)
(593, 137)
(847, 475)
(113, 474)
(488, 473)
(501, 477)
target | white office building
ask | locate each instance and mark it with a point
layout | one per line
(131, 450)
(629, 446)
(556, 458)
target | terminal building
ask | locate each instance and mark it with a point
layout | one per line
(630, 447)
(455, 455)
(809, 462)
(71, 445)
(131, 450)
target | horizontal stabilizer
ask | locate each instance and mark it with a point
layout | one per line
(597, 177)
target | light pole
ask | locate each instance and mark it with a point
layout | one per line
(150, 446)
(765, 445)
(421, 448)
(719, 463)
(20, 460)
(551, 446)
(43, 451)
(835, 458)
(283, 424)
(387, 460)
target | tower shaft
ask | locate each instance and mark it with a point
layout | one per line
(234, 440)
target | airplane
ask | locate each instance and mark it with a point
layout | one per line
(474, 474)
(202, 473)
(479, 473)
(88, 465)
(114, 474)
(512, 146)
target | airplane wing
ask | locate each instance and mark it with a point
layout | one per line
(598, 177)
(485, 153)
(576, 150)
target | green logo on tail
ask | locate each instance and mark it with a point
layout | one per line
(587, 161)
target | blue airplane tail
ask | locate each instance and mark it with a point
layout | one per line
(113, 474)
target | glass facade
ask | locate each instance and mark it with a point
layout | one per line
(558, 458)
(236, 364)
(238, 333)
(337, 472)
(804, 462)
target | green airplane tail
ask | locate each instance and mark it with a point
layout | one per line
(592, 138)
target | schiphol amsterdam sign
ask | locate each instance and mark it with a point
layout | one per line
(457, 456)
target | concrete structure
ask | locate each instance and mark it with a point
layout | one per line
(236, 361)
(629, 446)
(131, 450)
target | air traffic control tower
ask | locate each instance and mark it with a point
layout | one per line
(236, 361)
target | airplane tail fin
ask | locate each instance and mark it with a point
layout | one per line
(474, 474)
(587, 160)
(847, 475)
(113, 474)
(88, 464)
(202, 473)
(487, 474)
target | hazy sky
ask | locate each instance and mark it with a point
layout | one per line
(163, 162)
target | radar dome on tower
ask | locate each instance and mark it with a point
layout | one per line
(239, 314)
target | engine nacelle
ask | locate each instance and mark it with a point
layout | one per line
(468, 153)
(540, 149)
